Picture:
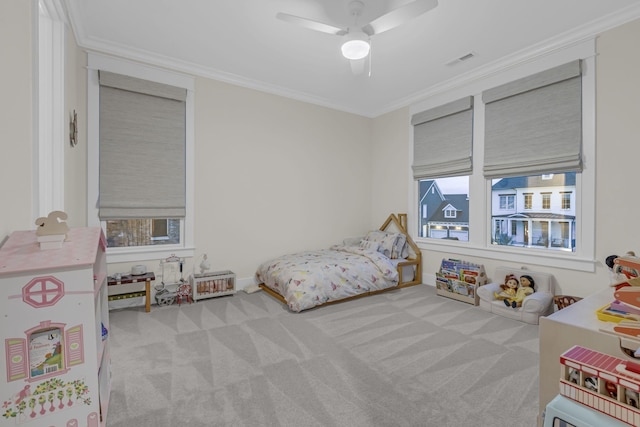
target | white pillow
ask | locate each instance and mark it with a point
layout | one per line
(369, 244)
(391, 245)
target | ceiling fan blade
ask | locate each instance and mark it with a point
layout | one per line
(399, 16)
(311, 24)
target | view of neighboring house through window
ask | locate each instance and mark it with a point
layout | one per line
(444, 203)
(143, 232)
(528, 200)
(517, 148)
(551, 223)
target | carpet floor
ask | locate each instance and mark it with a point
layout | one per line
(402, 358)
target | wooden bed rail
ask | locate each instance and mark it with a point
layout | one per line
(398, 221)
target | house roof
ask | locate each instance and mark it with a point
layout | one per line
(558, 179)
(460, 202)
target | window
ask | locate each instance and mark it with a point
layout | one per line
(141, 131)
(142, 232)
(448, 199)
(540, 229)
(513, 221)
(442, 164)
(507, 201)
(528, 200)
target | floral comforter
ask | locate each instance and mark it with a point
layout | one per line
(311, 278)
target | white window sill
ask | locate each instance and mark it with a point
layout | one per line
(528, 256)
(116, 255)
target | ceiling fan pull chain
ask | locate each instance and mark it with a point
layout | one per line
(370, 55)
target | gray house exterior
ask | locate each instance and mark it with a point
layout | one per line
(443, 216)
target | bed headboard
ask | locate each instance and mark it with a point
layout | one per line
(399, 223)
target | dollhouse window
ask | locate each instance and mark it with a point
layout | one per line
(48, 350)
(43, 291)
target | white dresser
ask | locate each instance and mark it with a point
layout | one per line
(576, 324)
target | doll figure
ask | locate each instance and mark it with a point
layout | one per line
(526, 288)
(509, 288)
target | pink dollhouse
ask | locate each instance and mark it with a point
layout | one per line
(54, 330)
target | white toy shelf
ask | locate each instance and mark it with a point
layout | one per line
(55, 330)
(214, 284)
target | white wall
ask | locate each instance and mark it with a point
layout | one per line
(390, 143)
(618, 152)
(15, 117)
(618, 145)
(75, 174)
(275, 175)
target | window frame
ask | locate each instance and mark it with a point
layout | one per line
(97, 62)
(450, 212)
(509, 202)
(528, 201)
(565, 200)
(49, 107)
(479, 244)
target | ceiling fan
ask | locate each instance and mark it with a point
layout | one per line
(356, 45)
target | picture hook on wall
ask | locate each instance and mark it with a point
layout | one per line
(73, 129)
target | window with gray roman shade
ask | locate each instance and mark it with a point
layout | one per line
(443, 140)
(142, 148)
(534, 125)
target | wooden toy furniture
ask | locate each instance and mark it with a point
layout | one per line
(55, 331)
(131, 285)
(540, 303)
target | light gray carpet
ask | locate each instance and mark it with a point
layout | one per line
(402, 358)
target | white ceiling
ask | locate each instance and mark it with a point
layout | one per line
(242, 42)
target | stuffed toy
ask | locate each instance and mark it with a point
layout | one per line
(509, 288)
(526, 288)
(619, 275)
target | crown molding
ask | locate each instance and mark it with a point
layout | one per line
(552, 45)
(563, 41)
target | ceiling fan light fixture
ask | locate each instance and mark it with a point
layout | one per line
(355, 45)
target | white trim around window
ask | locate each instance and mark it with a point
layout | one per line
(479, 244)
(97, 62)
(49, 135)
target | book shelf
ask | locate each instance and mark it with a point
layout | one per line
(459, 280)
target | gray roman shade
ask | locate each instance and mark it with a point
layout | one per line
(534, 125)
(443, 140)
(142, 148)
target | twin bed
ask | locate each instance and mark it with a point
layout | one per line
(384, 259)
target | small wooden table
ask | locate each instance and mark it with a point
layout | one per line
(129, 284)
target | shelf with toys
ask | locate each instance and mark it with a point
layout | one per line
(604, 322)
(623, 313)
(459, 280)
